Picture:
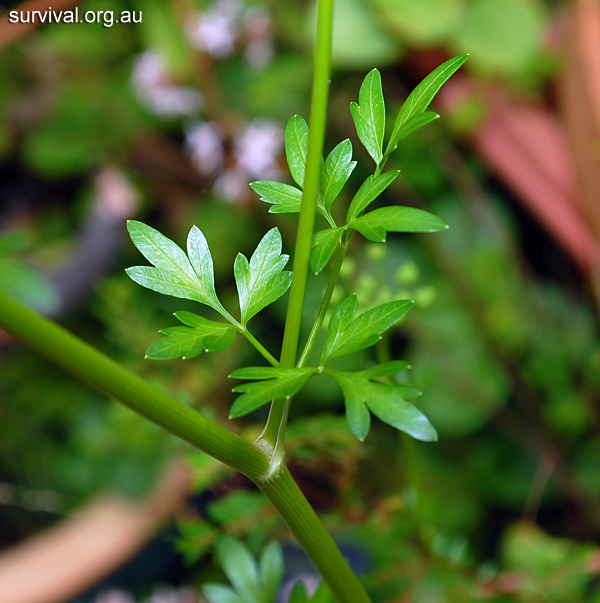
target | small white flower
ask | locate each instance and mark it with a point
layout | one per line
(216, 31)
(232, 185)
(204, 142)
(155, 89)
(257, 149)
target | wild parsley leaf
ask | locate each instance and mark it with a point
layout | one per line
(200, 335)
(296, 147)
(347, 334)
(273, 383)
(390, 403)
(369, 115)
(174, 274)
(262, 280)
(378, 222)
(324, 244)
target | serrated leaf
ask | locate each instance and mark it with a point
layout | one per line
(174, 274)
(296, 147)
(389, 403)
(281, 383)
(370, 189)
(364, 331)
(336, 171)
(283, 197)
(369, 115)
(262, 280)
(240, 567)
(324, 244)
(202, 263)
(375, 224)
(420, 98)
(271, 569)
(164, 282)
(217, 593)
(190, 341)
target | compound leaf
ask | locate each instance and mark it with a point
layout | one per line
(283, 197)
(262, 280)
(371, 188)
(369, 115)
(274, 383)
(174, 274)
(378, 222)
(389, 403)
(324, 244)
(336, 171)
(296, 147)
(200, 335)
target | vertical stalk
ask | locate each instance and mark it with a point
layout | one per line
(275, 427)
(284, 493)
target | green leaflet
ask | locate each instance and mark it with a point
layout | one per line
(274, 383)
(389, 403)
(271, 570)
(324, 244)
(410, 125)
(217, 593)
(336, 170)
(347, 334)
(261, 281)
(174, 274)
(378, 222)
(200, 335)
(369, 115)
(296, 147)
(283, 197)
(420, 98)
(370, 189)
(239, 567)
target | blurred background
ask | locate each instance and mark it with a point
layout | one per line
(167, 119)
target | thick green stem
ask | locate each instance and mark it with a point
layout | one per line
(284, 493)
(312, 178)
(104, 374)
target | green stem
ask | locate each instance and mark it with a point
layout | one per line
(318, 117)
(314, 332)
(284, 493)
(105, 375)
(102, 373)
(258, 345)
